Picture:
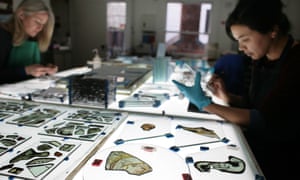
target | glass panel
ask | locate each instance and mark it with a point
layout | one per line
(187, 29)
(116, 23)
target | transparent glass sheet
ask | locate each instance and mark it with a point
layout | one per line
(142, 99)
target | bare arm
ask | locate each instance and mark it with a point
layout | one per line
(235, 115)
(217, 87)
(38, 70)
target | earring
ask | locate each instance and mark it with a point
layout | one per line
(274, 33)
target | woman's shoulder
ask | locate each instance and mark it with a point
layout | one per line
(294, 55)
(296, 48)
(296, 44)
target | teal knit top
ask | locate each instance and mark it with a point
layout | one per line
(26, 54)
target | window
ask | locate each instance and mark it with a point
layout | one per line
(5, 10)
(116, 23)
(6, 7)
(187, 28)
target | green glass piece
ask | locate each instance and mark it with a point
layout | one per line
(38, 117)
(30, 153)
(66, 131)
(67, 147)
(16, 170)
(40, 161)
(76, 124)
(51, 131)
(93, 130)
(6, 167)
(36, 121)
(39, 169)
(44, 147)
(90, 136)
(80, 131)
(3, 115)
(58, 124)
(93, 116)
(54, 143)
(8, 142)
(2, 149)
(16, 107)
(12, 136)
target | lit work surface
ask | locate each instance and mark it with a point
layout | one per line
(191, 147)
(168, 118)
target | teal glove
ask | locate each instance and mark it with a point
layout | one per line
(194, 93)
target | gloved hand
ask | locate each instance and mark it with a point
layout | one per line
(194, 93)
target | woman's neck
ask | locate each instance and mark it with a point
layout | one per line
(277, 48)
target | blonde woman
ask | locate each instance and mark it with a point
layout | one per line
(23, 37)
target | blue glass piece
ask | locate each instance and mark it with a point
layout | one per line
(119, 141)
(175, 148)
(189, 160)
(169, 135)
(179, 127)
(225, 140)
(204, 148)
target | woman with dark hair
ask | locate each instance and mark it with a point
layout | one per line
(22, 38)
(268, 111)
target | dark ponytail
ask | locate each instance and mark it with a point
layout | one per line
(261, 16)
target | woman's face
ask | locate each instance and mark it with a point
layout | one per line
(252, 43)
(34, 23)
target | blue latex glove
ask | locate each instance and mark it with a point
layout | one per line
(194, 93)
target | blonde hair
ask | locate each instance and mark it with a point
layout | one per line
(29, 7)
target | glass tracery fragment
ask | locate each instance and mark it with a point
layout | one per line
(122, 161)
(76, 130)
(37, 117)
(37, 160)
(11, 140)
